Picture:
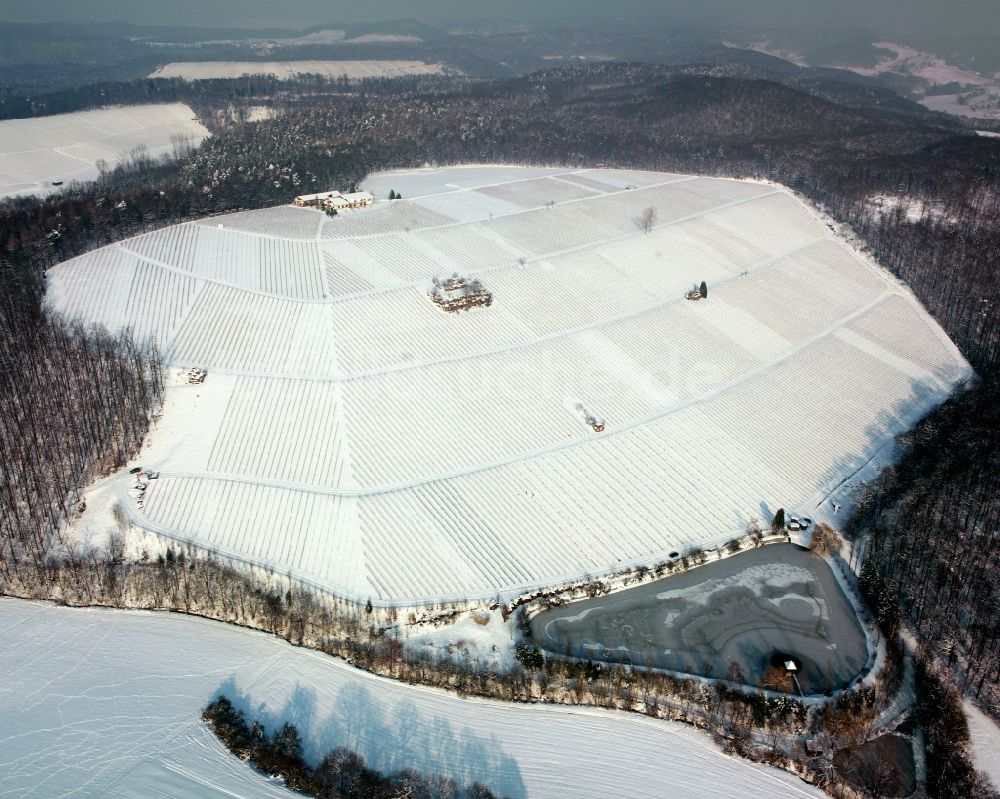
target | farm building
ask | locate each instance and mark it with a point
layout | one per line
(358, 199)
(335, 201)
(315, 200)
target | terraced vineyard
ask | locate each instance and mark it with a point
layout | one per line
(353, 434)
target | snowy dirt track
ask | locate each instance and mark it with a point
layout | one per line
(115, 697)
(354, 435)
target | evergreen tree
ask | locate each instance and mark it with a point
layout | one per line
(779, 520)
(530, 656)
(392, 194)
(703, 288)
(288, 742)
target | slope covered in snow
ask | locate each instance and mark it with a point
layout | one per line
(285, 70)
(353, 434)
(984, 743)
(100, 703)
(64, 147)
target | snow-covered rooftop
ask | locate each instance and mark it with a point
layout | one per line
(322, 195)
(351, 433)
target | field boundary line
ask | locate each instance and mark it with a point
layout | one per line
(609, 432)
(517, 345)
(403, 285)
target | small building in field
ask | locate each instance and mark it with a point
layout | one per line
(315, 200)
(335, 200)
(457, 293)
(358, 199)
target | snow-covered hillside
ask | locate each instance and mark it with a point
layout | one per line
(353, 434)
(36, 152)
(285, 70)
(99, 703)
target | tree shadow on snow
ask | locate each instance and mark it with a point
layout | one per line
(390, 733)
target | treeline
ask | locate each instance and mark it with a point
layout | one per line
(701, 120)
(341, 774)
(928, 530)
(34, 60)
(75, 403)
(764, 728)
(948, 253)
(206, 95)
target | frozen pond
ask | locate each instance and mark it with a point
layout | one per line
(725, 620)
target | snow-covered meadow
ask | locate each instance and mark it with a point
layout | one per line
(284, 70)
(984, 743)
(102, 703)
(353, 435)
(64, 147)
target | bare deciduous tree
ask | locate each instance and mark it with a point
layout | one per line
(648, 219)
(824, 540)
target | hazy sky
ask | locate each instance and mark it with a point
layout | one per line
(953, 17)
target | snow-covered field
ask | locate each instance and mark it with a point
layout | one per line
(914, 209)
(35, 152)
(984, 742)
(978, 95)
(100, 703)
(933, 69)
(283, 70)
(355, 436)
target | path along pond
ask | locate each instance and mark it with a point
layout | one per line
(728, 619)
